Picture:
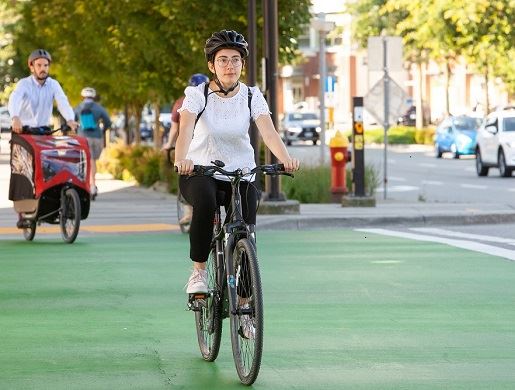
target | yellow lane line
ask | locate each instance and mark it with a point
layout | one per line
(156, 227)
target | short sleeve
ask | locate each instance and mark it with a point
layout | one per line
(258, 104)
(194, 100)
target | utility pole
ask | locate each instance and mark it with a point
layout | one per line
(252, 78)
(271, 45)
(386, 80)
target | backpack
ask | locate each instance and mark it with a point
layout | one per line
(87, 119)
(206, 87)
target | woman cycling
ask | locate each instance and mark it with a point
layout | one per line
(221, 133)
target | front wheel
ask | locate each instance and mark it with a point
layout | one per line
(30, 231)
(481, 170)
(69, 217)
(208, 317)
(247, 317)
(504, 170)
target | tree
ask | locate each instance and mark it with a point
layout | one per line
(140, 50)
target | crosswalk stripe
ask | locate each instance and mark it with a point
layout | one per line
(464, 244)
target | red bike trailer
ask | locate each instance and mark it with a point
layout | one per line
(50, 182)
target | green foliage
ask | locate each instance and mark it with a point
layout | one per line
(312, 184)
(139, 50)
(401, 135)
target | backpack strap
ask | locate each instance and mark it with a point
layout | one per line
(206, 88)
(249, 102)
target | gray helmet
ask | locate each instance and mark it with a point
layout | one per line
(225, 39)
(39, 53)
(88, 92)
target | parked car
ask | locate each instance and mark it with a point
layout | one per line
(496, 143)
(5, 119)
(456, 134)
(409, 117)
(300, 126)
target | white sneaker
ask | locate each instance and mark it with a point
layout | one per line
(247, 328)
(197, 283)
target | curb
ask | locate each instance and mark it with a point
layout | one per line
(306, 223)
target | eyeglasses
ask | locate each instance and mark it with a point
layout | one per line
(224, 61)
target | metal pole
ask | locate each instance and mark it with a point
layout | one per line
(252, 78)
(386, 125)
(322, 72)
(272, 43)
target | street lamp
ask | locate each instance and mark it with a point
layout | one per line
(323, 27)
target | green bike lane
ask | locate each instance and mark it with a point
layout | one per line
(343, 309)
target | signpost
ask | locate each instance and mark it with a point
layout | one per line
(386, 91)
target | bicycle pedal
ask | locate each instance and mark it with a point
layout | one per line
(197, 300)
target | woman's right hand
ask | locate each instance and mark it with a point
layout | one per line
(184, 166)
(16, 124)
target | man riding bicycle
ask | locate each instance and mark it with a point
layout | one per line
(31, 102)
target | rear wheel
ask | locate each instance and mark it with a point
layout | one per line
(30, 231)
(208, 319)
(438, 151)
(247, 321)
(69, 217)
(183, 213)
(504, 170)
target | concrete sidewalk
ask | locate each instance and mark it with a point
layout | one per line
(121, 202)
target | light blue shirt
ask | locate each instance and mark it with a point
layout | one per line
(33, 103)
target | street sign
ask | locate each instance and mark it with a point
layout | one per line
(375, 55)
(374, 101)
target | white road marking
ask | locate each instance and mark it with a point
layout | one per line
(474, 186)
(427, 165)
(469, 245)
(432, 182)
(450, 233)
(396, 178)
(398, 189)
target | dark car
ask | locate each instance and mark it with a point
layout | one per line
(300, 126)
(456, 134)
(409, 118)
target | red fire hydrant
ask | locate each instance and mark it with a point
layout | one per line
(338, 146)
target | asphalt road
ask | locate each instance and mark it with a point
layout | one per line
(415, 175)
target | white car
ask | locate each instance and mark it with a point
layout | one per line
(496, 143)
(5, 119)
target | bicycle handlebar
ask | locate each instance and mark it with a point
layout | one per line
(210, 170)
(44, 130)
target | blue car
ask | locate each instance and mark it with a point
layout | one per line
(457, 135)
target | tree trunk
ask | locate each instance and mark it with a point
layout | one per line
(135, 128)
(487, 99)
(126, 127)
(157, 126)
(419, 120)
(447, 85)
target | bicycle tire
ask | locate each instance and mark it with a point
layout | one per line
(30, 231)
(208, 319)
(69, 217)
(181, 204)
(247, 351)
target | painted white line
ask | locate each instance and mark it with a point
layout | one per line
(432, 182)
(469, 245)
(427, 165)
(474, 186)
(450, 233)
(398, 189)
(396, 178)
(511, 189)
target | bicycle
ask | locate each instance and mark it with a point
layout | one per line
(52, 180)
(234, 281)
(183, 207)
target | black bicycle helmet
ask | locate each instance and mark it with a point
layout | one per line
(225, 39)
(39, 53)
(197, 79)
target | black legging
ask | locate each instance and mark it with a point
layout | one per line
(200, 192)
